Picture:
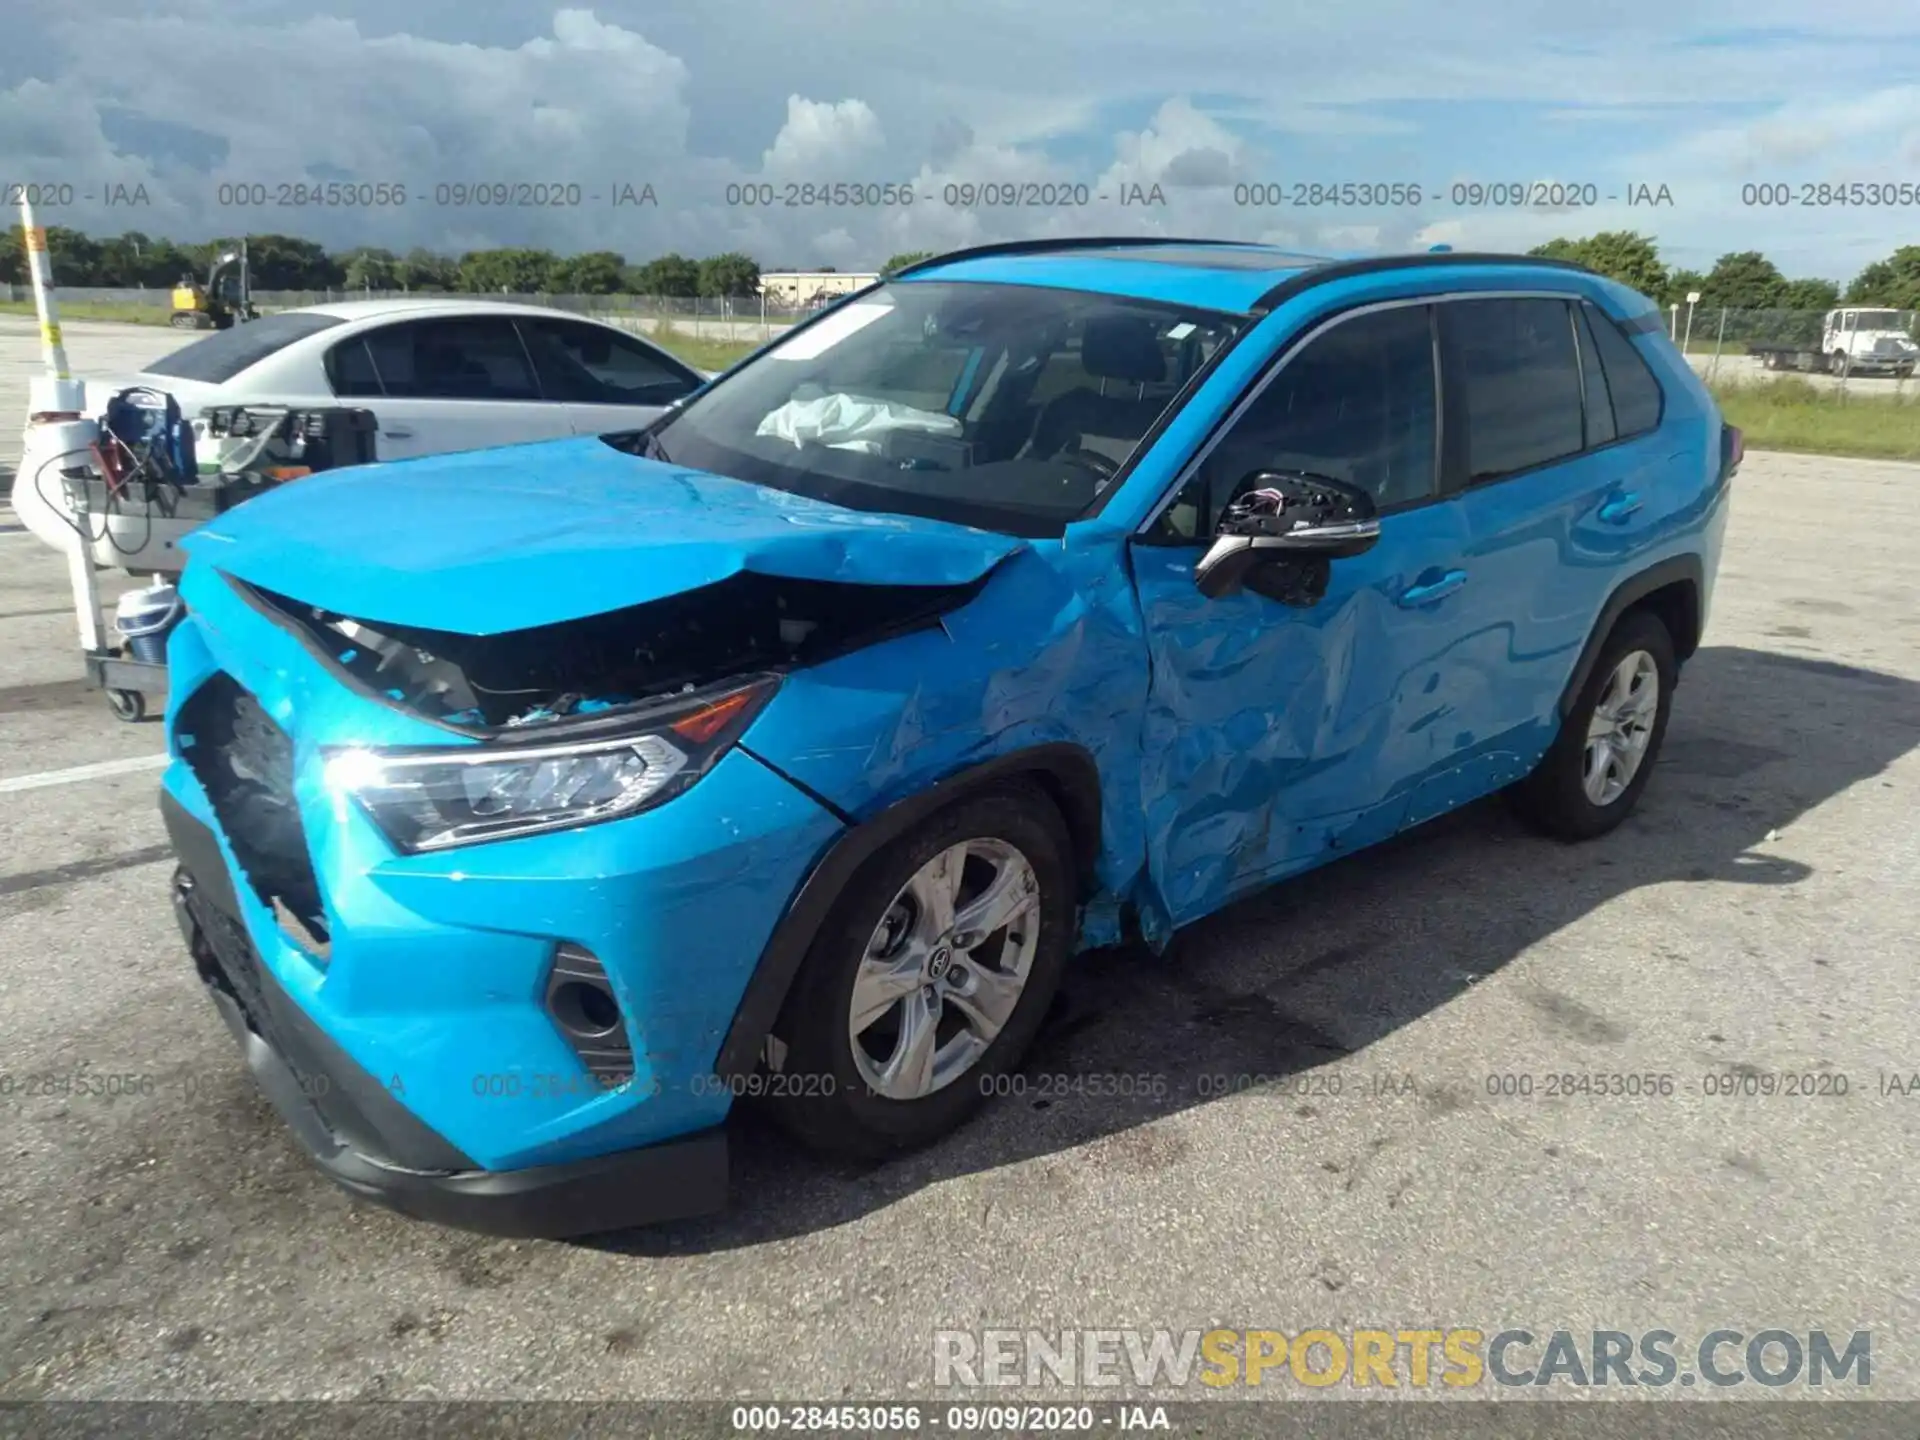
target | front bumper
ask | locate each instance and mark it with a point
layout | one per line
(371, 1144)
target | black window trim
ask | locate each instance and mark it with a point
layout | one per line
(397, 321)
(673, 363)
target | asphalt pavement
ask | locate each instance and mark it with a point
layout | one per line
(1755, 918)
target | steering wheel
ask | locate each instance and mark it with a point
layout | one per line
(1100, 464)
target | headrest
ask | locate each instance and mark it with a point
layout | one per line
(1123, 347)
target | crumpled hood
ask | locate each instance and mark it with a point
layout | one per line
(488, 541)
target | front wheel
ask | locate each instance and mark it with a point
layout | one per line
(930, 979)
(1591, 777)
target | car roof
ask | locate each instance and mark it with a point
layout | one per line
(1225, 275)
(428, 304)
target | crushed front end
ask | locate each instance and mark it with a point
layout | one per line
(480, 951)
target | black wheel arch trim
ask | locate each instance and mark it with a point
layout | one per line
(1066, 771)
(1687, 569)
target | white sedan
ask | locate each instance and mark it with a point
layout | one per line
(438, 374)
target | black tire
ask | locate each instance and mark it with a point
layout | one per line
(821, 1097)
(127, 705)
(1553, 799)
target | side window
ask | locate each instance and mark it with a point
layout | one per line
(467, 359)
(350, 370)
(596, 365)
(1358, 404)
(1519, 379)
(1593, 381)
(1636, 394)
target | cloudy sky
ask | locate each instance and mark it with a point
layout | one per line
(1209, 103)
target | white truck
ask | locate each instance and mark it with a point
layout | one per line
(1854, 341)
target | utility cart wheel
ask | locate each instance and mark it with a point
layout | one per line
(128, 705)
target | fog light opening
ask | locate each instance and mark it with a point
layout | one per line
(586, 1010)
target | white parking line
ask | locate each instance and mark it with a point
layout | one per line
(82, 772)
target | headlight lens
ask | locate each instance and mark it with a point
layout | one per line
(439, 798)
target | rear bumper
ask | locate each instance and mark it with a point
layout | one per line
(368, 1142)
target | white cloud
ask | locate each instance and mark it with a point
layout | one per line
(825, 141)
(1363, 91)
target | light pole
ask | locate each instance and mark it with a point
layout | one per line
(1693, 299)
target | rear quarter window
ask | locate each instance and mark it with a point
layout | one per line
(1636, 394)
(225, 353)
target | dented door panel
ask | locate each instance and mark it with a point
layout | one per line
(1276, 738)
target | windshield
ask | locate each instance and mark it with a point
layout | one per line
(1878, 320)
(1005, 407)
(225, 353)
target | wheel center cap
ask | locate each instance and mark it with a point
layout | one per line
(939, 962)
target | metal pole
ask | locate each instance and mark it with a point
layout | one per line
(1689, 340)
(57, 398)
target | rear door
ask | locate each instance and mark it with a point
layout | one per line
(447, 383)
(607, 379)
(1556, 494)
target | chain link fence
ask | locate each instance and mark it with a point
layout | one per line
(1863, 346)
(715, 317)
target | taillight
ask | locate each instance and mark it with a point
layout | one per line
(1733, 449)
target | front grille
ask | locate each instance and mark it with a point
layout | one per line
(244, 762)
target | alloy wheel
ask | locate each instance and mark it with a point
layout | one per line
(944, 969)
(1621, 727)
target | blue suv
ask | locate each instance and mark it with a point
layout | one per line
(533, 805)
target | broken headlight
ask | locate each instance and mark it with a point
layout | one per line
(431, 799)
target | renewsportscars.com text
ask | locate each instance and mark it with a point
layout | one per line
(1455, 1358)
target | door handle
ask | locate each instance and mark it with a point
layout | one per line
(1616, 510)
(397, 432)
(1415, 596)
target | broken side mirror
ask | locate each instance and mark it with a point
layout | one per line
(1290, 523)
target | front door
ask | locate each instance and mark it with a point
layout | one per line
(1280, 735)
(607, 380)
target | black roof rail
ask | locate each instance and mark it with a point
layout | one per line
(1346, 269)
(1054, 244)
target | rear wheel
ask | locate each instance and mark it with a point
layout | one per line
(1592, 776)
(930, 978)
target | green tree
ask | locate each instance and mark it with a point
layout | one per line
(1744, 280)
(286, 262)
(673, 275)
(422, 269)
(1894, 281)
(895, 264)
(73, 257)
(370, 268)
(1680, 284)
(732, 274)
(507, 271)
(598, 272)
(1621, 255)
(1821, 295)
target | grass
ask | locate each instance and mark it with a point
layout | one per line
(1790, 413)
(126, 312)
(698, 351)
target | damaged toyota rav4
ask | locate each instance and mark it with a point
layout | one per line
(534, 805)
